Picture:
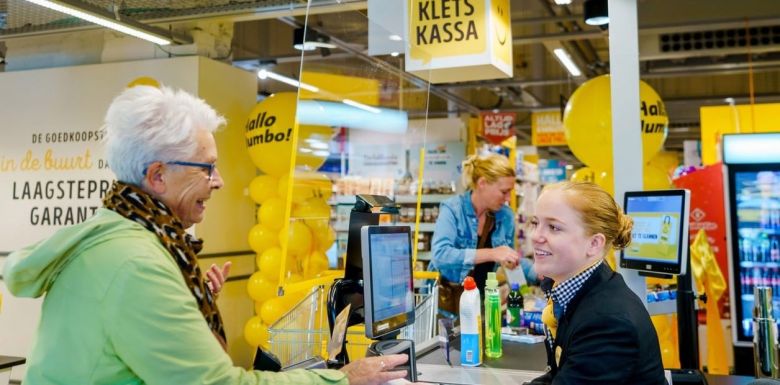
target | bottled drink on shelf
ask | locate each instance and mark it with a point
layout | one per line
(492, 317)
(746, 249)
(515, 306)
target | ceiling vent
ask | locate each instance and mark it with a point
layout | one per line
(710, 42)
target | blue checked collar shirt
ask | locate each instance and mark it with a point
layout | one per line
(562, 293)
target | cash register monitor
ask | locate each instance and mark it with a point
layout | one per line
(387, 279)
(659, 239)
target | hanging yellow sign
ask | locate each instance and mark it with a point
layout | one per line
(547, 128)
(459, 40)
(441, 28)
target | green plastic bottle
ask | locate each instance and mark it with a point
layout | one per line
(492, 317)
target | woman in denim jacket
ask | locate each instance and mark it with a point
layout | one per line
(459, 246)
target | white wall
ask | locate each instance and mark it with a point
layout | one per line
(41, 103)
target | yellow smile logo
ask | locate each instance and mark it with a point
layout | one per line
(501, 29)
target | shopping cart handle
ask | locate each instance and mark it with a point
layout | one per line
(426, 275)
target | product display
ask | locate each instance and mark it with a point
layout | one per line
(429, 212)
(492, 317)
(470, 325)
(514, 307)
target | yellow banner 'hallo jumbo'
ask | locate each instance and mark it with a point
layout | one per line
(269, 132)
(588, 122)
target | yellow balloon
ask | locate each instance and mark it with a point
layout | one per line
(666, 161)
(316, 263)
(314, 208)
(312, 150)
(256, 333)
(655, 179)
(324, 186)
(307, 186)
(271, 213)
(295, 277)
(269, 133)
(584, 174)
(320, 183)
(272, 310)
(587, 122)
(269, 263)
(263, 187)
(319, 227)
(144, 81)
(301, 190)
(260, 288)
(325, 239)
(299, 239)
(262, 238)
(605, 181)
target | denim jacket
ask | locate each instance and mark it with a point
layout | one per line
(454, 243)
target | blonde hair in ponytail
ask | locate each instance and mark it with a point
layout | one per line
(490, 166)
(598, 211)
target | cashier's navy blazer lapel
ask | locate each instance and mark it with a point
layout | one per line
(605, 337)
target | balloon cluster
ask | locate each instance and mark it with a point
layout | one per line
(269, 131)
(587, 122)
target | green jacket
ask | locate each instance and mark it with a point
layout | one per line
(117, 311)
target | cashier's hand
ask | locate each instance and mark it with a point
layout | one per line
(506, 256)
(375, 370)
(215, 277)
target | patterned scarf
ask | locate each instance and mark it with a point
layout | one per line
(133, 203)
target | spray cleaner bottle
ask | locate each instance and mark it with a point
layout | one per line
(470, 325)
(492, 317)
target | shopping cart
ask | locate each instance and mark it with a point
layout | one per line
(423, 331)
(303, 333)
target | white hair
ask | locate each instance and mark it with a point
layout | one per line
(146, 124)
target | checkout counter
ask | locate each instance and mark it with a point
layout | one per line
(375, 253)
(519, 363)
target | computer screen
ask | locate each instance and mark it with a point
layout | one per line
(387, 279)
(659, 239)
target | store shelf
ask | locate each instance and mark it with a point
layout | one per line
(341, 200)
(400, 199)
(749, 264)
(758, 230)
(426, 198)
(424, 227)
(424, 255)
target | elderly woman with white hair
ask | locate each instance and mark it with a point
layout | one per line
(125, 301)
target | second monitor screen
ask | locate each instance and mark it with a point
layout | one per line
(392, 286)
(659, 238)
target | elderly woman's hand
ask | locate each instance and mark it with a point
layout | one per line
(375, 370)
(215, 277)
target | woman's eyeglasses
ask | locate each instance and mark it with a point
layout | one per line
(209, 167)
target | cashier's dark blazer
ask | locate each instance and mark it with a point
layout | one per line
(604, 337)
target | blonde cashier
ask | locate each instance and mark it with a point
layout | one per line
(475, 230)
(598, 330)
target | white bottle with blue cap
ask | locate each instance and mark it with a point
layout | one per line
(470, 325)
